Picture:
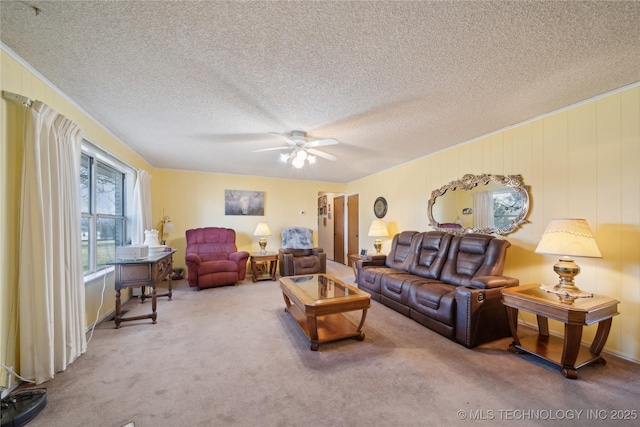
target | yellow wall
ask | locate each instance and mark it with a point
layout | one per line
(195, 199)
(581, 162)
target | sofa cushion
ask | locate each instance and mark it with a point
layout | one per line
(369, 277)
(400, 250)
(395, 286)
(433, 299)
(473, 255)
(430, 254)
(212, 267)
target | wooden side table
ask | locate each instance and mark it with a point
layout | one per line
(567, 352)
(263, 265)
(139, 274)
(353, 262)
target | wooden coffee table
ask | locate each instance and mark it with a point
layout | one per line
(317, 302)
(567, 352)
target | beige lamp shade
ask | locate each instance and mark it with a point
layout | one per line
(568, 237)
(378, 229)
(262, 230)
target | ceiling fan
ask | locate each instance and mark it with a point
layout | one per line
(302, 148)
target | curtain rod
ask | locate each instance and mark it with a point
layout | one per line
(15, 97)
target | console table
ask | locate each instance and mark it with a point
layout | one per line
(567, 352)
(139, 274)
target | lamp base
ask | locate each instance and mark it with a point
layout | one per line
(566, 289)
(263, 245)
(377, 244)
(565, 296)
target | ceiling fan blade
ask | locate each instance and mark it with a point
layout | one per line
(284, 138)
(322, 142)
(321, 154)
(271, 149)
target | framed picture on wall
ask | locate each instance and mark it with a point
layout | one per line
(238, 202)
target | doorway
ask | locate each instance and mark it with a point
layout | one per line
(338, 225)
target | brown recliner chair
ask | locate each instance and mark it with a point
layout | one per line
(213, 259)
(297, 255)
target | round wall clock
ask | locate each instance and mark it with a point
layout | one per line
(380, 207)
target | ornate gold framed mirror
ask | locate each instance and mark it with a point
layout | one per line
(489, 204)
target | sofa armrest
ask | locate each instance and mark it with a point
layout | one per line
(480, 315)
(285, 263)
(377, 260)
(192, 258)
(237, 257)
(240, 258)
(493, 282)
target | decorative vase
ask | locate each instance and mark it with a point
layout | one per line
(151, 238)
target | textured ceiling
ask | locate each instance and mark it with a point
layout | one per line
(198, 85)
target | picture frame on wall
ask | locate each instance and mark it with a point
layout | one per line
(239, 202)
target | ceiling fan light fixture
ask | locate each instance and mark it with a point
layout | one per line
(302, 149)
(301, 154)
(297, 162)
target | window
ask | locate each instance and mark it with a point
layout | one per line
(105, 185)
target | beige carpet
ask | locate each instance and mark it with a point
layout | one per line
(231, 356)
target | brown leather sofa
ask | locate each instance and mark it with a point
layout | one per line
(449, 283)
(213, 259)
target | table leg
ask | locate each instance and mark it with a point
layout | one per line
(274, 267)
(601, 336)
(572, 340)
(312, 325)
(359, 329)
(512, 318)
(254, 271)
(118, 308)
(287, 302)
(170, 293)
(154, 303)
(543, 325)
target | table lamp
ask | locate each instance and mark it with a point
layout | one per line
(568, 237)
(378, 229)
(262, 230)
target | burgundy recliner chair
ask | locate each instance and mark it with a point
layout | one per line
(213, 259)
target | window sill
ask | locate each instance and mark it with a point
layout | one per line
(92, 277)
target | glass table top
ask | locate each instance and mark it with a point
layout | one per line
(319, 287)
